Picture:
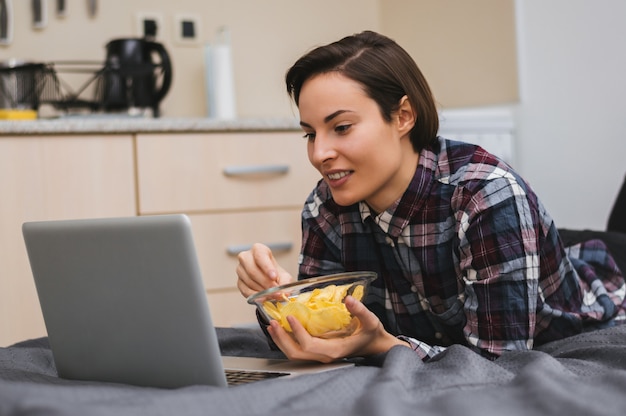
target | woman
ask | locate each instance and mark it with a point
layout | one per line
(464, 250)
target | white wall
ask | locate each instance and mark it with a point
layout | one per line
(571, 139)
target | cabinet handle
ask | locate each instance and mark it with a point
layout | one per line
(275, 247)
(256, 170)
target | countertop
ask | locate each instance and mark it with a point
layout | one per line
(119, 125)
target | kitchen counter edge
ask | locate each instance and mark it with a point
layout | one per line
(121, 125)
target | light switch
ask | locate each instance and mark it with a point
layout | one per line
(149, 25)
(187, 29)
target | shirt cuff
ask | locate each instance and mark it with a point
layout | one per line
(423, 350)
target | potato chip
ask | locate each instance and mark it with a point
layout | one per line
(331, 318)
(296, 309)
(320, 311)
(272, 310)
(358, 291)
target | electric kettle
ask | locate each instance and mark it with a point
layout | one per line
(130, 77)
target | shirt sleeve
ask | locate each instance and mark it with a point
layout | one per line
(499, 233)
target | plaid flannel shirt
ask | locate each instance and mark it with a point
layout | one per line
(467, 255)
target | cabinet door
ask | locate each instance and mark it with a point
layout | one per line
(220, 237)
(53, 177)
(229, 171)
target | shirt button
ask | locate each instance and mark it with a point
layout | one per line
(438, 335)
(414, 289)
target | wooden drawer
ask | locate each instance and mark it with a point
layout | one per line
(200, 172)
(52, 178)
(219, 237)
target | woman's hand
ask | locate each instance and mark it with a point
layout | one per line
(258, 270)
(370, 338)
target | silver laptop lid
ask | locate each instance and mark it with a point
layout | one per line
(123, 300)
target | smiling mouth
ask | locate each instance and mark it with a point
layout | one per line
(338, 175)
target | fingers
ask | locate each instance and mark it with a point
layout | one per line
(264, 261)
(283, 276)
(368, 320)
(258, 270)
(255, 270)
(369, 338)
(245, 284)
(377, 339)
(299, 345)
(284, 341)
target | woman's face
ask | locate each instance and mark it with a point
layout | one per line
(360, 155)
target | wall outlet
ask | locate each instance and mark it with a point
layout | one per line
(187, 29)
(149, 24)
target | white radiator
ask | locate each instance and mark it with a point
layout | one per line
(491, 128)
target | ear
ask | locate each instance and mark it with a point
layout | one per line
(405, 115)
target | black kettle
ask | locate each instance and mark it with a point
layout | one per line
(130, 77)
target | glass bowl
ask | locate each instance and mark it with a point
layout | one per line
(316, 302)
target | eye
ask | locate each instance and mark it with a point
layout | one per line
(343, 128)
(309, 136)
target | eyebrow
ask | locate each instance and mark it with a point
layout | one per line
(327, 118)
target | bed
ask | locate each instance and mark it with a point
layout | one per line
(583, 374)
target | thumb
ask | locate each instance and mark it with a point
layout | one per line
(283, 276)
(367, 318)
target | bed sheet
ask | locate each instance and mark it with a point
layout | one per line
(584, 374)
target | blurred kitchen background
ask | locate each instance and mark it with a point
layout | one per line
(466, 49)
(555, 66)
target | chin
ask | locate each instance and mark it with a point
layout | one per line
(344, 200)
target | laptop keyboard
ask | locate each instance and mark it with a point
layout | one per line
(237, 377)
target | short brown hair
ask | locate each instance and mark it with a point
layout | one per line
(384, 69)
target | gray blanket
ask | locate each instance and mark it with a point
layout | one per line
(581, 375)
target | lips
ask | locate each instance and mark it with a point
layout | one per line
(337, 178)
(338, 175)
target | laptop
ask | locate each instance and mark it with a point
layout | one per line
(123, 301)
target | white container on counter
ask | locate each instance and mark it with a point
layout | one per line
(219, 78)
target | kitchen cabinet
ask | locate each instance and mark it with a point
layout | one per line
(53, 177)
(238, 189)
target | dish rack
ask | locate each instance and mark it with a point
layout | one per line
(87, 74)
(26, 87)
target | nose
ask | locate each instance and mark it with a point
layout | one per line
(321, 149)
